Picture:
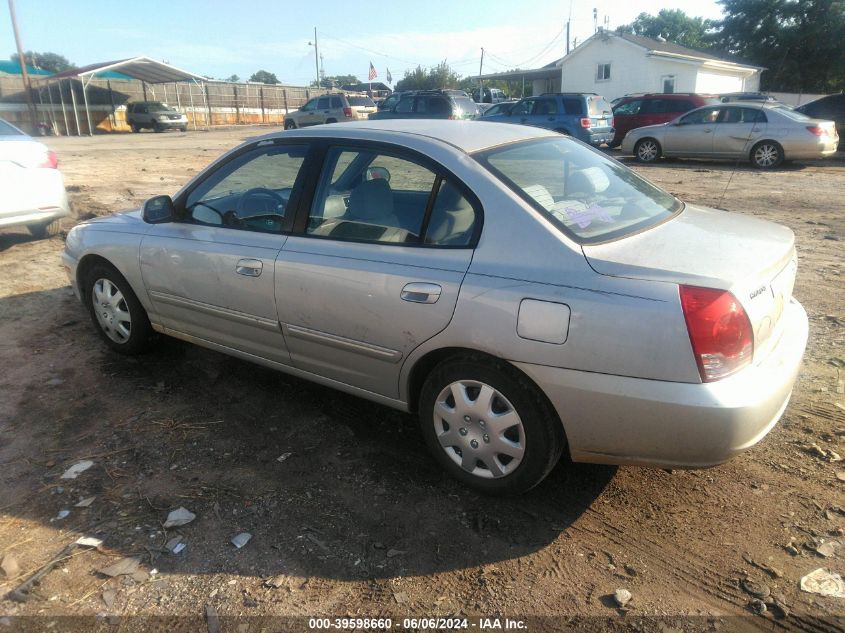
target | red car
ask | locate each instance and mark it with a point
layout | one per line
(651, 109)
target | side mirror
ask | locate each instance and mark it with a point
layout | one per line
(158, 210)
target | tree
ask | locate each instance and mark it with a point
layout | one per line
(233, 78)
(440, 76)
(674, 25)
(801, 43)
(264, 77)
(52, 62)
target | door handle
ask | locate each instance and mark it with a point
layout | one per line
(249, 267)
(421, 292)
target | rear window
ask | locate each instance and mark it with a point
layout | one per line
(598, 106)
(588, 196)
(790, 113)
(466, 104)
(7, 129)
(361, 101)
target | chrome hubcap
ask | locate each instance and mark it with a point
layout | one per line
(479, 429)
(111, 310)
(647, 151)
(766, 155)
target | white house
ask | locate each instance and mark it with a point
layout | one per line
(614, 65)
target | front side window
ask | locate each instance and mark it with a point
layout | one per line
(546, 107)
(373, 196)
(702, 116)
(250, 192)
(603, 72)
(524, 107)
(310, 105)
(405, 105)
(588, 196)
(629, 109)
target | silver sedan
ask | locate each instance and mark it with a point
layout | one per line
(764, 133)
(521, 292)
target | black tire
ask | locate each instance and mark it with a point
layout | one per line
(183, 129)
(613, 144)
(331, 120)
(766, 155)
(290, 124)
(135, 129)
(40, 231)
(564, 132)
(141, 333)
(157, 128)
(541, 436)
(647, 150)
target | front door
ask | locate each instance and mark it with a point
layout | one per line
(211, 275)
(368, 280)
(692, 134)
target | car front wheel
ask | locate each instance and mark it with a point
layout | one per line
(489, 426)
(290, 125)
(117, 314)
(647, 150)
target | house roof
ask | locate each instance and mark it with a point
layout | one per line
(676, 49)
(14, 68)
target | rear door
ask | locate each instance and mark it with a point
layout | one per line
(737, 129)
(211, 275)
(377, 268)
(626, 118)
(692, 135)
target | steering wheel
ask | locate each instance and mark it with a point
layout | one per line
(259, 192)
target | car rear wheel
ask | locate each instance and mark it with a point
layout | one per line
(157, 128)
(117, 314)
(331, 120)
(50, 229)
(489, 426)
(766, 154)
(647, 150)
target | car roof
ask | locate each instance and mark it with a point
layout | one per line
(467, 136)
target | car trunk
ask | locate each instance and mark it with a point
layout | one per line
(753, 259)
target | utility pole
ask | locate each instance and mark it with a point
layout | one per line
(27, 87)
(480, 80)
(567, 37)
(316, 57)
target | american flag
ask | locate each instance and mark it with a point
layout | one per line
(389, 78)
(372, 74)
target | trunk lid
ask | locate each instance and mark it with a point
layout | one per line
(752, 258)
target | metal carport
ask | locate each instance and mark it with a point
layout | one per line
(144, 69)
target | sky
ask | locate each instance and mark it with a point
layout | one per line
(219, 39)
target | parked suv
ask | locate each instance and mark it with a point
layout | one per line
(831, 108)
(430, 104)
(586, 116)
(154, 115)
(330, 108)
(651, 109)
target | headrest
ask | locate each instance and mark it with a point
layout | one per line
(371, 200)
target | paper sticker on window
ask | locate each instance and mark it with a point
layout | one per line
(585, 217)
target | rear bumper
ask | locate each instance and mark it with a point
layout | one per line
(599, 137)
(27, 217)
(620, 420)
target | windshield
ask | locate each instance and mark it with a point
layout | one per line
(159, 107)
(7, 129)
(361, 101)
(588, 196)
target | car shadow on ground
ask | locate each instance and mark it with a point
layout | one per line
(327, 484)
(705, 165)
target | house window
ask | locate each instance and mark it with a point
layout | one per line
(603, 72)
(668, 84)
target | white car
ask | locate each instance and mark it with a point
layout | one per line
(32, 190)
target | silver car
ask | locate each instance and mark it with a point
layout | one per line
(520, 291)
(331, 108)
(765, 133)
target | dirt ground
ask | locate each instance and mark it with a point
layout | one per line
(357, 520)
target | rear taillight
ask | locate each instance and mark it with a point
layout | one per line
(347, 112)
(51, 161)
(815, 129)
(613, 121)
(719, 331)
(586, 123)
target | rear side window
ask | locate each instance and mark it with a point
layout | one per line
(466, 104)
(573, 106)
(434, 105)
(405, 105)
(323, 103)
(452, 221)
(337, 103)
